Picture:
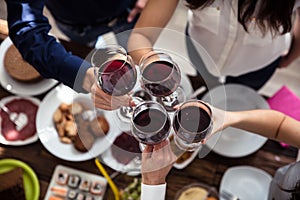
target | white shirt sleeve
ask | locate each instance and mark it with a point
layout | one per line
(150, 192)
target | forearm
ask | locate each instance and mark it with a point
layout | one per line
(268, 123)
(138, 45)
(28, 29)
(153, 19)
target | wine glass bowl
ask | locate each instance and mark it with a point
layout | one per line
(150, 123)
(116, 74)
(192, 122)
(114, 70)
(161, 77)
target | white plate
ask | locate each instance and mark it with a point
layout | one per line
(109, 160)
(248, 183)
(49, 136)
(113, 163)
(16, 87)
(30, 140)
(233, 142)
(185, 163)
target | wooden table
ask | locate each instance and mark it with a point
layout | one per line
(208, 170)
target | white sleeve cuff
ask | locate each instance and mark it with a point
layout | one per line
(150, 192)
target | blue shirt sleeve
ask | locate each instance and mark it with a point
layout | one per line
(28, 29)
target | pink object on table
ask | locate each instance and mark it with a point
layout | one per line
(285, 101)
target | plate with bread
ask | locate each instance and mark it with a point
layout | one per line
(25, 109)
(71, 128)
(18, 76)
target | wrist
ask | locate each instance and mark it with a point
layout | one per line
(153, 181)
(234, 118)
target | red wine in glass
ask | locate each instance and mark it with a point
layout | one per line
(161, 78)
(191, 123)
(117, 77)
(116, 74)
(150, 123)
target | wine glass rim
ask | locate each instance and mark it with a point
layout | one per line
(176, 67)
(194, 101)
(128, 59)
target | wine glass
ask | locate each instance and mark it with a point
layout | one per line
(115, 74)
(150, 123)
(192, 123)
(161, 77)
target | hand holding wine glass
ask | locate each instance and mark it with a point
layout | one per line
(114, 70)
(157, 161)
(116, 76)
(105, 101)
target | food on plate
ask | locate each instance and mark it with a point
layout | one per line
(85, 185)
(24, 107)
(97, 188)
(84, 139)
(59, 191)
(132, 191)
(197, 191)
(183, 157)
(73, 128)
(194, 193)
(18, 68)
(99, 126)
(62, 178)
(125, 148)
(11, 185)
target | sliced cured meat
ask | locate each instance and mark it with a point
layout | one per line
(8, 128)
(125, 148)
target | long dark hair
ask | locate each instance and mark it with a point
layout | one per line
(272, 15)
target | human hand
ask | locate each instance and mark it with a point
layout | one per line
(221, 120)
(100, 98)
(138, 7)
(107, 102)
(157, 161)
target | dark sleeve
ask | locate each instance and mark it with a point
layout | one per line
(28, 29)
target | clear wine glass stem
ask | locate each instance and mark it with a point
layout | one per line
(176, 98)
(124, 113)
